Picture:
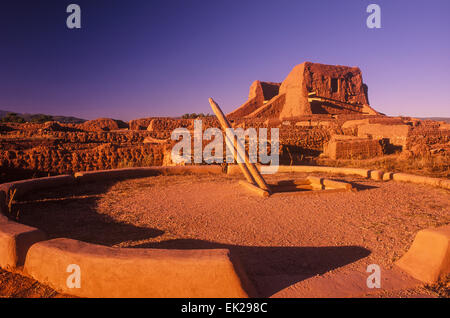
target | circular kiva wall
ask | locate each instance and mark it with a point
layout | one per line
(128, 272)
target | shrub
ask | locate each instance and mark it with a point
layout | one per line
(41, 118)
(12, 118)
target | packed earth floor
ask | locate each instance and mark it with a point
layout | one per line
(282, 241)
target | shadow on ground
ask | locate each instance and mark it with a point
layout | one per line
(273, 268)
(357, 185)
(78, 219)
(71, 213)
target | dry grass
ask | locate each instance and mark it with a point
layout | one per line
(14, 213)
(14, 285)
(146, 161)
(442, 288)
(437, 166)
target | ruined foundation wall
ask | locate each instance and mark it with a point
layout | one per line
(33, 153)
(358, 148)
(397, 134)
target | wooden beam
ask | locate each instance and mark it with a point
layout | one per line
(253, 188)
(257, 177)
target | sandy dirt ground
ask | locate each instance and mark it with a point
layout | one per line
(14, 285)
(309, 245)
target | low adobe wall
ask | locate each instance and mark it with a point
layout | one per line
(15, 240)
(234, 170)
(116, 272)
(128, 272)
(428, 259)
(397, 134)
(101, 175)
(24, 186)
(365, 173)
(353, 148)
(436, 182)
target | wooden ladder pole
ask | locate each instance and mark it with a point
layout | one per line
(247, 166)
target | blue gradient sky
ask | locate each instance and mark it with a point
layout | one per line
(135, 59)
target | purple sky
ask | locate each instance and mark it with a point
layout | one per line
(135, 59)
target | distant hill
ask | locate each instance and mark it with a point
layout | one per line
(30, 117)
(446, 119)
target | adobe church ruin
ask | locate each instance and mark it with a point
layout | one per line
(310, 88)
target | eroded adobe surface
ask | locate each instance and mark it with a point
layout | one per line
(36, 150)
(310, 88)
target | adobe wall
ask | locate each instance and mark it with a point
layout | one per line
(353, 148)
(271, 109)
(397, 134)
(338, 90)
(263, 91)
(304, 137)
(130, 272)
(365, 173)
(296, 94)
(15, 240)
(53, 160)
(245, 109)
(32, 151)
(259, 93)
(428, 259)
(168, 125)
(313, 77)
(354, 123)
(27, 153)
(140, 124)
(428, 136)
(350, 88)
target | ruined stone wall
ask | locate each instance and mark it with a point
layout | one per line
(310, 88)
(270, 110)
(28, 150)
(304, 140)
(169, 125)
(60, 161)
(259, 93)
(140, 124)
(102, 124)
(339, 83)
(353, 148)
(28, 153)
(245, 109)
(397, 134)
(348, 80)
(429, 137)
